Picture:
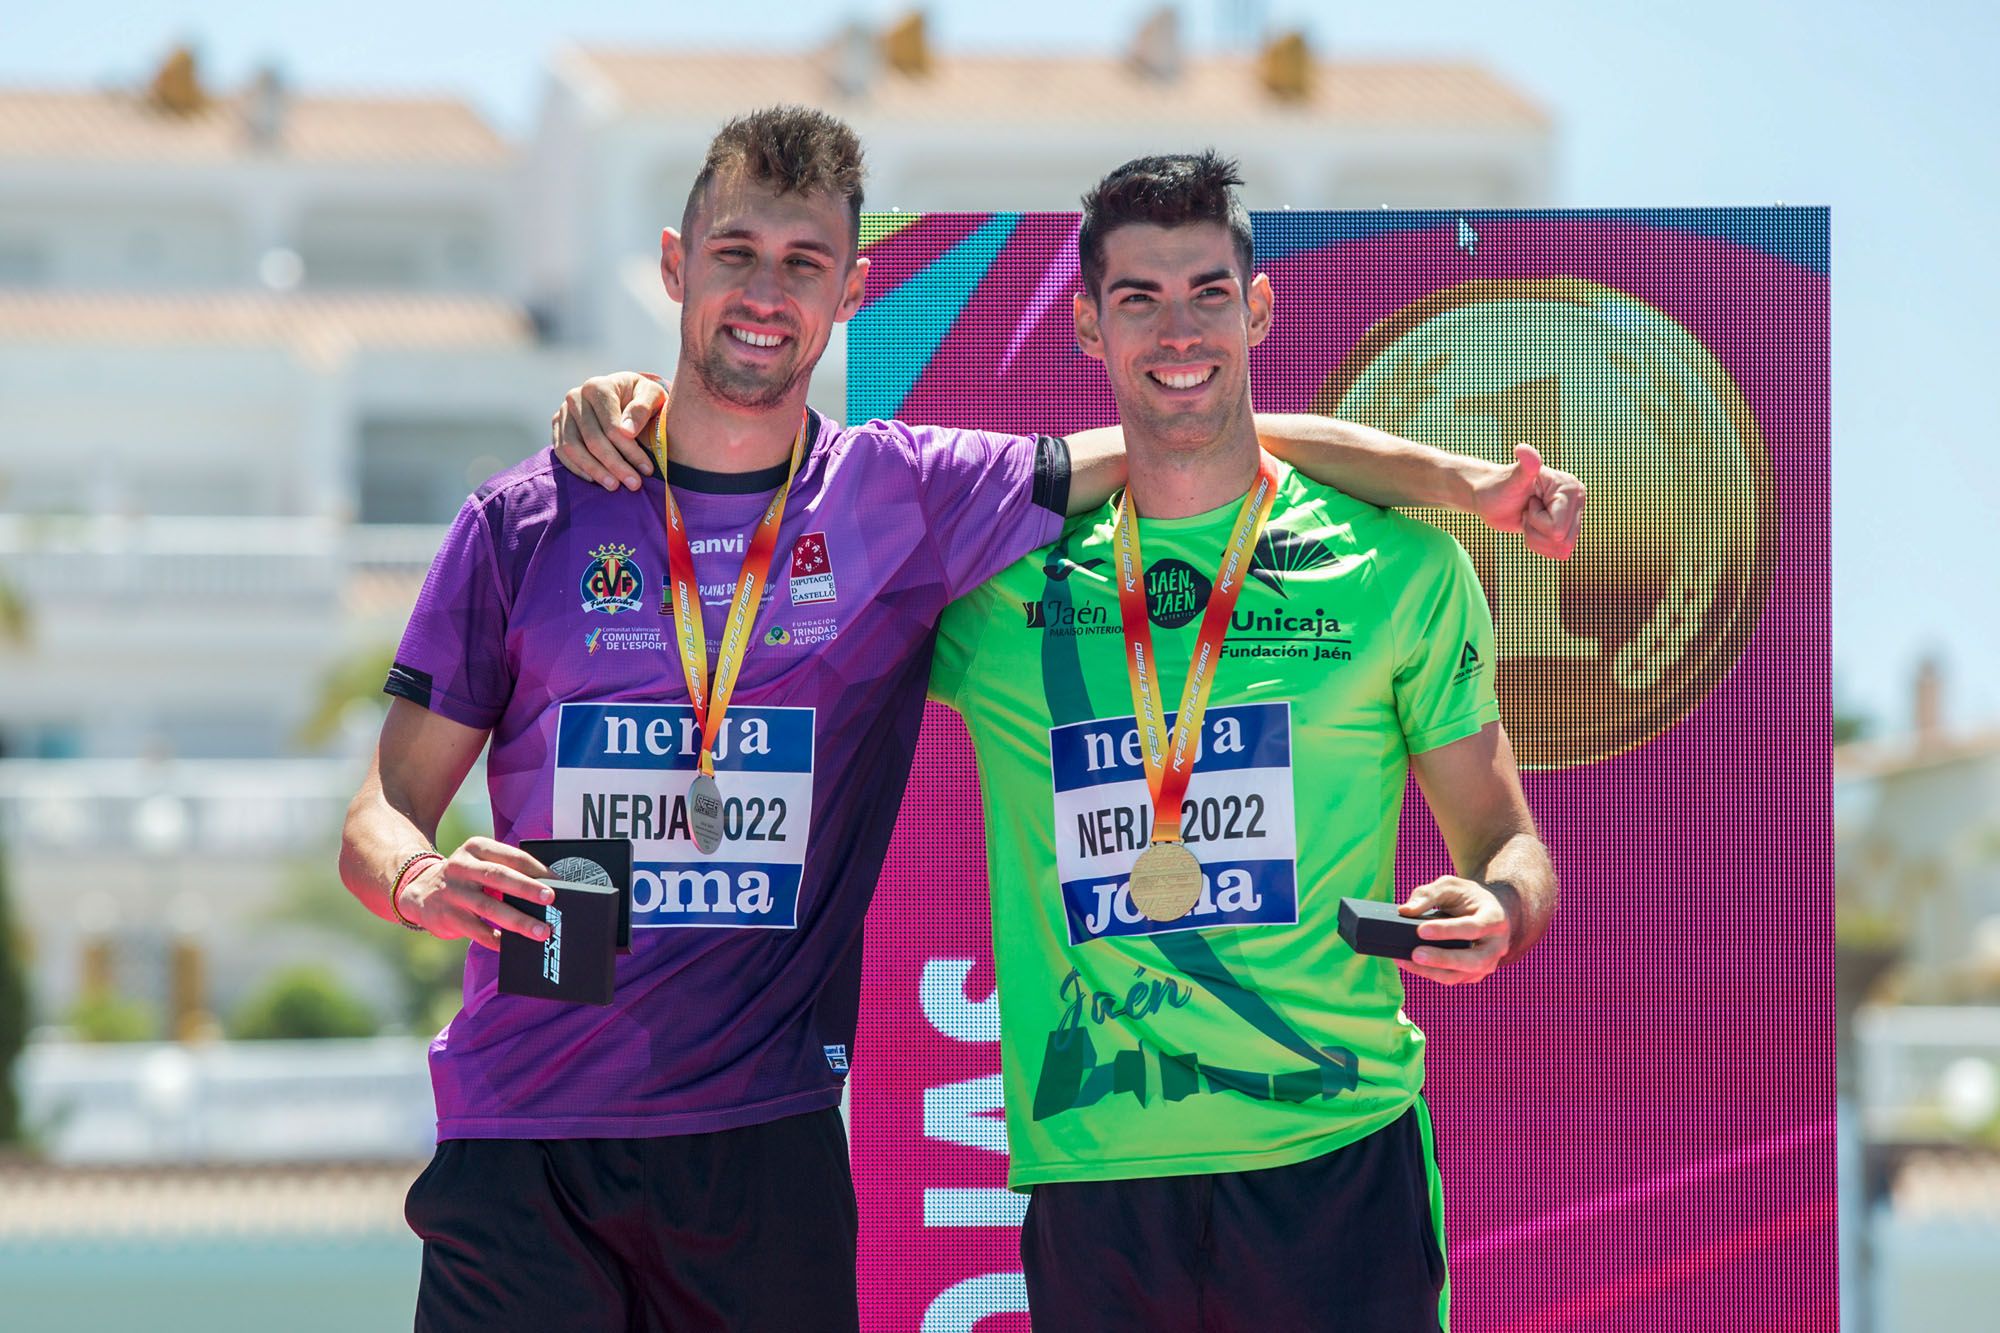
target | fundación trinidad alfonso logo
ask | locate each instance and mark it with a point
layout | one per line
(812, 570)
(612, 581)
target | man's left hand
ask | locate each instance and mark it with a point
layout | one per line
(1543, 504)
(1471, 912)
(599, 431)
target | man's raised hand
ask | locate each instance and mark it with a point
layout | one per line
(1543, 504)
(599, 432)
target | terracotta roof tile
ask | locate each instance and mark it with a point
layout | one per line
(40, 1203)
(712, 85)
(312, 321)
(125, 127)
(1955, 1186)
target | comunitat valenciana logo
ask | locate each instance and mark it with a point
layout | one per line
(612, 581)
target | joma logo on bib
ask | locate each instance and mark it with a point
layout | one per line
(1236, 818)
(622, 771)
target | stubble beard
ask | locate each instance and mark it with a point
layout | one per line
(1188, 434)
(747, 388)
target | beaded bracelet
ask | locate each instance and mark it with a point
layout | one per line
(424, 857)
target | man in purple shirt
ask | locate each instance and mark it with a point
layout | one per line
(676, 1160)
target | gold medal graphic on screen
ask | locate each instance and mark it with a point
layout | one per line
(1600, 653)
(704, 797)
(1166, 879)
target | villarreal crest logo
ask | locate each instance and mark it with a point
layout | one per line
(612, 582)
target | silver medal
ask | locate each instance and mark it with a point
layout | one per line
(705, 813)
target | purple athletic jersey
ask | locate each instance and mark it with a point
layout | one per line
(542, 620)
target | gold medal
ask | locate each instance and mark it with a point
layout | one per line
(1166, 881)
(1640, 622)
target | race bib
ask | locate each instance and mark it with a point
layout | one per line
(1236, 819)
(622, 771)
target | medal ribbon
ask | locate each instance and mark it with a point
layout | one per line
(1170, 759)
(689, 636)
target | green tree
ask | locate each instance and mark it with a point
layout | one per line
(13, 1009)
(303, 1001)
(1850, 722)
(114, 1018)
(354, 679)
(431, 970)
(16, 624)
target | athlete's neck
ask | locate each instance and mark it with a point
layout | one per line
(1175, 482)
(716, 436)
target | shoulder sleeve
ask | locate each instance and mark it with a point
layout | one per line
(988, 499)
(1444, 682)
(453, 657)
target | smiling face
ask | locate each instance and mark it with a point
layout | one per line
(1173, 322)
(762, 276)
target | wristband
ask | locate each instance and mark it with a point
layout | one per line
(423, 858)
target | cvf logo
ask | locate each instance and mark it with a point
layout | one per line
(812, 570)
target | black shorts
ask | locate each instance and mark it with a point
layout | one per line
(1351, 1241)
(745, 1230)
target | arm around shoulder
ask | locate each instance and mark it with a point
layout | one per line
(1543, 504)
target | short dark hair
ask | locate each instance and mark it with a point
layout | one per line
(794, 148)
(1165, 190)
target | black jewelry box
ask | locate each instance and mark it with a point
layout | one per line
(1378, 929)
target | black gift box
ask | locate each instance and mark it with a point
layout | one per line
(1378, 929)
(591, 915)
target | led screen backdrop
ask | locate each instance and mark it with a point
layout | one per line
(1635, 1124)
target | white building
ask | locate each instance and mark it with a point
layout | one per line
(623, 133)
(255, 347)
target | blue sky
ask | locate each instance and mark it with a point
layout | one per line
(1885, 117)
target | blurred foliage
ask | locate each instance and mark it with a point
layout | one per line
(107, 1017)
(13, 1008)
(16, 623)
(353, 680)
(1850, 723)
(1850, 727)
(1857, 927)
(1867, 949)
(431, 970)
(306, 1000)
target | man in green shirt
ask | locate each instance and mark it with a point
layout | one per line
(1216, 1107)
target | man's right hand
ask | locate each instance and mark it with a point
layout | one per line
(460, 896)
(600, 429)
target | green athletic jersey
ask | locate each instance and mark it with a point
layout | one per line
(1246, 1034)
